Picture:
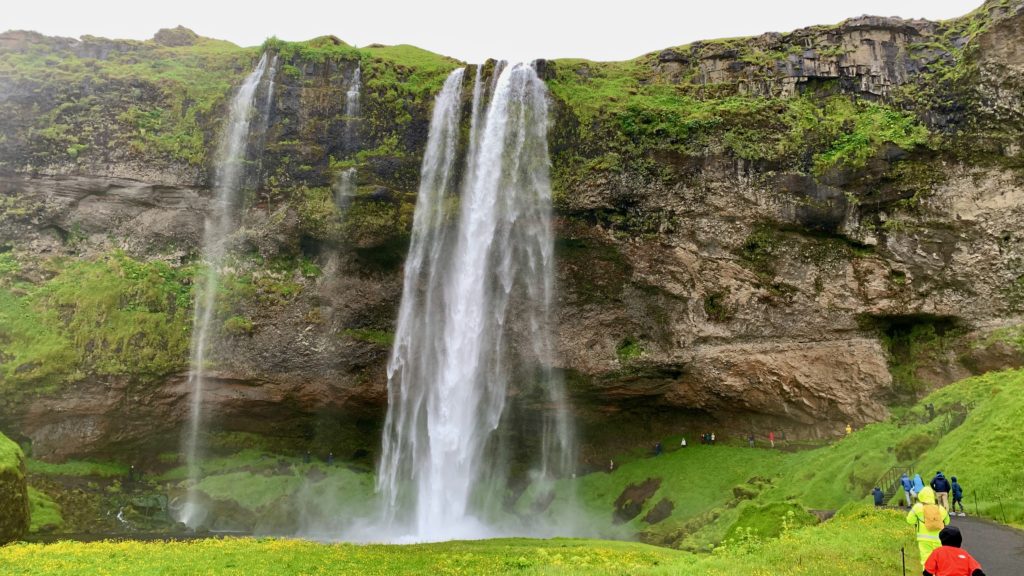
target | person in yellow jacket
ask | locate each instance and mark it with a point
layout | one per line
(929, 518)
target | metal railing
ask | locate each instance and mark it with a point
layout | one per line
(890, 481)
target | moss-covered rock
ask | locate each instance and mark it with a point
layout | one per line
(14, 508)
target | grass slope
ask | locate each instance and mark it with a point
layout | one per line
(723, 493)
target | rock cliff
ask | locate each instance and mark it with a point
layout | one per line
(793, 230)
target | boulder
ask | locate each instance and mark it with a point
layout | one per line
(14, 509)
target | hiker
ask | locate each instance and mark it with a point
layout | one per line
(950, 559)
(958, 497)
(929, 518)
(879, 497)
(908, 489)
(849, 429)
(711, 438)
(771, 438)
(941, 487)
(682, 444)
(611, 465)
(306, 457)
(750, 439)
(657, 449)
(330, 458)
(918, 486)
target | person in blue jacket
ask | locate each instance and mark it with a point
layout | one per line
(918, 486)
(879, 496)
(958, 497)
(908, 488)
(941, 487)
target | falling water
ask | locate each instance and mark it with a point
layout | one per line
(452, 363)
(345, 182)
(352, 108)
(344, 188)
(228, 175)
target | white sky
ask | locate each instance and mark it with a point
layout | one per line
(468, 30)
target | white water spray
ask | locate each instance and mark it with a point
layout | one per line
(228, 176)
(453, 361)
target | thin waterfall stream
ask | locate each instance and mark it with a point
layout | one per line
(229, 175)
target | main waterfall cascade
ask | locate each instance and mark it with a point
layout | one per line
(473, 322)
(229, 176)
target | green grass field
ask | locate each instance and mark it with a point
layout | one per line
(859, 541)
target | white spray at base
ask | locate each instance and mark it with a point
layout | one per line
(474, 315)
(228, 178)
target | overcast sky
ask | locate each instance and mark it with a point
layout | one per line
(468, 30)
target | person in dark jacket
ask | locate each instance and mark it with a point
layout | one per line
(958, 497)
(908, 489)
(879, 496)
(950, 559)
(941, 487)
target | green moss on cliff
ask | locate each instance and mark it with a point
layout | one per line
(45, 513)
(155, 100)
(14, 507)
(110, 316)
(626, 111)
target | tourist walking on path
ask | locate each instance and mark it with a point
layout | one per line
(929, 519)
(879, 497)
(771, 438)
(682, 444)
(941, 487)
(750, 439)
(908, 489)
(950, 559)
(849, 429)
(958, 497)
(712, 438)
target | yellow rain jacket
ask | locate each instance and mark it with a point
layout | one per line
(927, 540)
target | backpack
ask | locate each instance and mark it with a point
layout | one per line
(932, 517)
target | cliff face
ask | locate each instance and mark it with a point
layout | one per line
(789, 231)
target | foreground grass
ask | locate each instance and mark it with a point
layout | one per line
(859, 541)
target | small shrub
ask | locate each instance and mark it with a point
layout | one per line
(238, 326)
(911, 447)
(629, 349)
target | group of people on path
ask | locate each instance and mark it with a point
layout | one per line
(937, 541)
(940, 485)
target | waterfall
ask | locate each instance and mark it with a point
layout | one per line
(229, 172)
(472, 286)
(352, 109)
(345, 182)
(344, 188)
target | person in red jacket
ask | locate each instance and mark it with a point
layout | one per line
(950, 559)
